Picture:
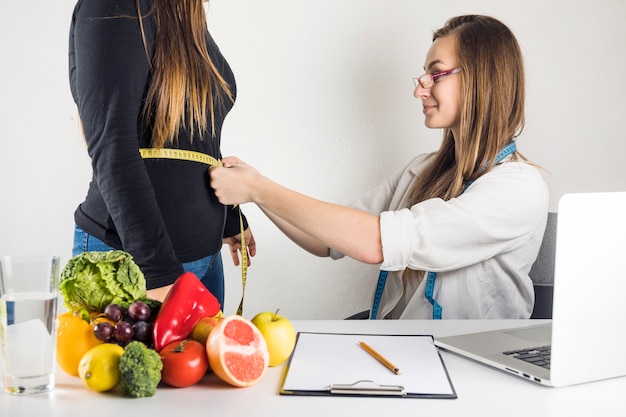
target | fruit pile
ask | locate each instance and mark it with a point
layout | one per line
(136, 347)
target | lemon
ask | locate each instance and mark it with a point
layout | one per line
(99, 367)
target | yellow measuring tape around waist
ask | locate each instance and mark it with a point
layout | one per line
(182, 154)
(193, 156)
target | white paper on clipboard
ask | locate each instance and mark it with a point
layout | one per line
(321, 361)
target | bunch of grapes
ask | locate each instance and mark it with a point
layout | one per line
(131, 324)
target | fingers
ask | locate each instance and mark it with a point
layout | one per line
(234, 253)
(219, 185)
(223, 179)
(234, 247)
(230, 161)
(252, 249)
(250, 243)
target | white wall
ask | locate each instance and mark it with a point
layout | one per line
(325, 106)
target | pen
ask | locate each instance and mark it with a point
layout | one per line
(380, 358)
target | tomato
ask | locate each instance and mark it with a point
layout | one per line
(184, 363)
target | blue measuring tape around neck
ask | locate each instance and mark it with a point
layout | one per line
(431, 276)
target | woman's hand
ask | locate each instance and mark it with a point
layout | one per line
(234, 183)
(159, 293)
(234, 243)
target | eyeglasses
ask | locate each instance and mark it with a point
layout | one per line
(428, 80)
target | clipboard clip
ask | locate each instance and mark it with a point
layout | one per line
(366, 387)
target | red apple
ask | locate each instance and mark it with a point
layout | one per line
(279, 334)
(201, 330)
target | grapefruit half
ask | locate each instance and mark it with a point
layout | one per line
(237, 351)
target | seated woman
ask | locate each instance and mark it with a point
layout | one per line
(457, 229)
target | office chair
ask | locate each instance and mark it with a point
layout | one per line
(541, 273)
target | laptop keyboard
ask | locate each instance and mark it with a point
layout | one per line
(539, 356)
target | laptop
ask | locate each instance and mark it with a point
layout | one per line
(586, 339)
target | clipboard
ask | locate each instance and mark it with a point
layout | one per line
(334, 364)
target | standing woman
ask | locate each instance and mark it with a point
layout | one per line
(458, 229)
(146, 74)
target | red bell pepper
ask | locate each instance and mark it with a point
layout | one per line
(186, 303)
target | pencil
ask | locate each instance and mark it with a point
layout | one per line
(380, 358)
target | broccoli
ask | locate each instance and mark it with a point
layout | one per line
(140, 370)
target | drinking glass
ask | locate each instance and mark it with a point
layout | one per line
(28, 312)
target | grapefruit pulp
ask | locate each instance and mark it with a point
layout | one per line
(237, 351)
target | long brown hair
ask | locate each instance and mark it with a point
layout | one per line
(185, 83)
(491, 106)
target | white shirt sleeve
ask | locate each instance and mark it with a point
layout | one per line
(498, 213)
(396, 235)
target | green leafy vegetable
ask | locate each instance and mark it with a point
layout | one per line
(92, 280)
(140, 370)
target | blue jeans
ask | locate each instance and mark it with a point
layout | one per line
(209, 269)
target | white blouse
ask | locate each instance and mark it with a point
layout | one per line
(481, 244)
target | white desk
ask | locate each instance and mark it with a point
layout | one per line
(481, 391)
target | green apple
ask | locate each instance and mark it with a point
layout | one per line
(279, 334)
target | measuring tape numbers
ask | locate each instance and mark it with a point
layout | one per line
(193, 156)
(181, 154)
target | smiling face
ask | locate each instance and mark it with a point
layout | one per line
(441, 101)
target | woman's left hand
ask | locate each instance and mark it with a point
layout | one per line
(234, 243)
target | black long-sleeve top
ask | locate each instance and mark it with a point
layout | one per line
(161, 211)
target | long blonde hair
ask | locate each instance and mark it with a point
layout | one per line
(491, 106)
(185, 83)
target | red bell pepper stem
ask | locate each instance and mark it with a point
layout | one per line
(185, 304)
